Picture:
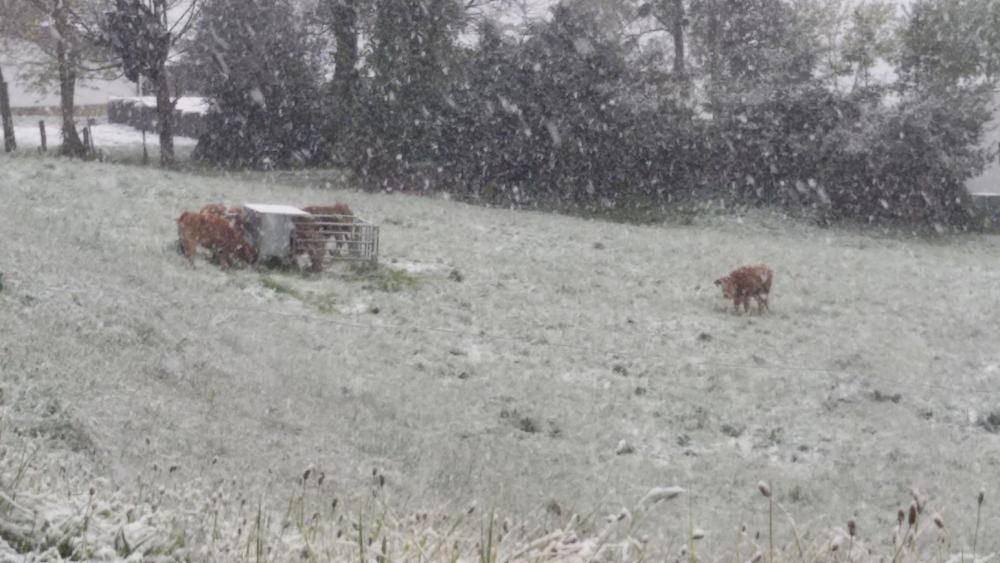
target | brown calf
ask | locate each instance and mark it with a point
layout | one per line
(745, 282)
(215, 234)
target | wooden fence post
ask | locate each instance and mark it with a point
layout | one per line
(9, 143)
(145, 152)
(41, 131)
(90, 134)
(86, 139)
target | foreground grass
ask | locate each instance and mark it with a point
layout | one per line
(49, 514)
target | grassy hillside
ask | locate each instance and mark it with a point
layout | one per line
(542, 365)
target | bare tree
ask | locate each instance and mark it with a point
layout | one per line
(52, 27)
(142, 36)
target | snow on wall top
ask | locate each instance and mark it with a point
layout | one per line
(185, 105)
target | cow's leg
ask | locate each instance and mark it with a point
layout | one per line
(316, 257)
(225, 258)
(189, 248)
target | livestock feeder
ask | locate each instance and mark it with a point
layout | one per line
(286, 234)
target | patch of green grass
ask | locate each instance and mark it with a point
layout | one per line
(281, 287)
(381, 278)
(324, 303)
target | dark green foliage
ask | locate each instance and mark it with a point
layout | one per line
(948, 42)
(750, 42)
(765, 144)
(263, 75)
(137, 35)
(556, 128)
(402, 108)
(549, 122)
(852, 156)
(570, 116)
(908, 162)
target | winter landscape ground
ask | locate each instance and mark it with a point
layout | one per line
(534, 364)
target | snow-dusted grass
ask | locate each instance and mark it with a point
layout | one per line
(117, 142)
(501, 357)
(53, 508)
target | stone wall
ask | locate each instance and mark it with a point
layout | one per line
(141, 114)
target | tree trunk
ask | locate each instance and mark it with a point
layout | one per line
(165, 117)
(9, 143)
(678, 33)
(345, 75)
(714, 28)
(66, 58)
(164, 107)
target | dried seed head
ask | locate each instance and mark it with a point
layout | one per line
(616, 517)
(919, 499)
(757, 557)
(938, 521)
(306, 473)
(657, 494)
(982, 497)
(764, 489)
(697, 534)
(900, 516)
(852, 528)
(913, 514)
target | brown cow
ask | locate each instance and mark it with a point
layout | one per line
(745, 282)
(214, 209)
(234, 215)
(309, 237)
(335, 220)
(215, 234)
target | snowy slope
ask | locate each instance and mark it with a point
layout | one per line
(514, 386)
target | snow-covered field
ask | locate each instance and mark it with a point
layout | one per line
(107, 136)
(502, 357)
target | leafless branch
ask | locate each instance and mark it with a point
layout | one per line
(188, 18)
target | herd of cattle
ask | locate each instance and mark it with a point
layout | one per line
(226, 232)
